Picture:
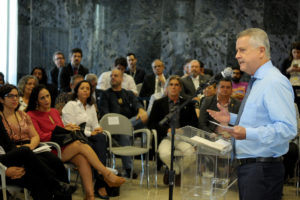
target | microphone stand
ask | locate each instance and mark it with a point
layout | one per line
(171, 117)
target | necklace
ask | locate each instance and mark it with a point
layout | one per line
(11, 131)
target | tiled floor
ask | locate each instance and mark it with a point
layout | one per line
(132, 190)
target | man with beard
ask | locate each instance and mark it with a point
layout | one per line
(238, 88)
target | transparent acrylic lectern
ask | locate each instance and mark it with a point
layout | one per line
(209, 173)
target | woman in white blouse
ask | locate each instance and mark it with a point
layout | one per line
(82, 110)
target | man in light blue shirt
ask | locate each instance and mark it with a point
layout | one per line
(266, 120)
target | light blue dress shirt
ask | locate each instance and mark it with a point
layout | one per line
(269, 115)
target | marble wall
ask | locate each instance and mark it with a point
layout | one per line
(172, 30)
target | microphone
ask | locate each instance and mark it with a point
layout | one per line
(227, 72)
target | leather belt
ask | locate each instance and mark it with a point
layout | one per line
(245, 161)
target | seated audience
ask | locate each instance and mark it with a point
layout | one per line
(41, 75)
(238, 88)
(65, 97)
(70, 70)
(222, 97)
(118, 100)
(154, 83)
(187, 116)
(25, 86)
(137, 73)
(45, 119)
(20, 130)
(82, 110)
(127, 82)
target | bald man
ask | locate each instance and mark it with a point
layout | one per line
(118, 100)
(154, 83)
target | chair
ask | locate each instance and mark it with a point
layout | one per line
(117, 124)
(14, 189)
(154, 133)
(139, 87)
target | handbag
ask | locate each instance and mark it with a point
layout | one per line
(64, 137)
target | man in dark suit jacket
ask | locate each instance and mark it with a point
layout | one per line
(59, 61)
(137, 74)
(155, 82)
(194, 80)
(223, 97)
(71, 69)
(26, 170)
(161, 108)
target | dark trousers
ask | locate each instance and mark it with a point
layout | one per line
(37, 178)
(290, 160)
(261, 181)
(98, 143)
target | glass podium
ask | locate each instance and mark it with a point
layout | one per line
(209, 174)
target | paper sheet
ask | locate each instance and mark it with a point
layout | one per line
(229, 128)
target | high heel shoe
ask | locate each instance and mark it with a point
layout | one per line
(113, 180)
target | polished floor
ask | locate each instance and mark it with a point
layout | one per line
(132, 190)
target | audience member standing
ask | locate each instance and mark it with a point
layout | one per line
(71, 69)
(59, 61)
(137, 73)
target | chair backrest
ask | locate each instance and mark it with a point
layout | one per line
(139, 87)
(116, 124)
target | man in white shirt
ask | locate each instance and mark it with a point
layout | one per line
(127, 83)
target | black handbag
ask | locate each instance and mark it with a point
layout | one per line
(64, 137)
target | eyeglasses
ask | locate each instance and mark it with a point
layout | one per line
(11, 96)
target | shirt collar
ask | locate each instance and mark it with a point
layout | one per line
(156, 76)
(78, 102)
(197, 78)
(263, 70)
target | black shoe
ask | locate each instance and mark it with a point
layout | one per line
(64, 189)
(127, 174)
(100, 196)
(177, 180)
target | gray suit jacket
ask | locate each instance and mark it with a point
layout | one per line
(189, 89)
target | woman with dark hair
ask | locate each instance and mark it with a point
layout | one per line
(25, 86)
(45, 119)
(40, 74)
(82, 110)
(290, 65)
(21, 130)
